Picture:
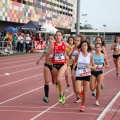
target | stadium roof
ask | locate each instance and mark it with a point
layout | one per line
(98, 31)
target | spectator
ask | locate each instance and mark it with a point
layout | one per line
(27, 42)
(14, 42)
(20, 42)
(8, 49)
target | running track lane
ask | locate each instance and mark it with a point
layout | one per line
(30, 105)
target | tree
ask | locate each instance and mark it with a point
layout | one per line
(87, 26)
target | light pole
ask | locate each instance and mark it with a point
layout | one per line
(84, 15)
(78, 17)
(104, 30)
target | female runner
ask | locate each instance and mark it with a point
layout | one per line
(70, 41)
(116, 54)
(48, 69)
(103, 50)
(85, 63)
(59, 61)
(97, 75)
(76, 50)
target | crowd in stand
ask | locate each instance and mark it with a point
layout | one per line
(20, 42)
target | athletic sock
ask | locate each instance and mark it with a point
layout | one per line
(46, 90)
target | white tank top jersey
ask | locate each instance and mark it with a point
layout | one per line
(82, 70)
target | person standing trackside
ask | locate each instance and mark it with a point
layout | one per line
(27, 42)
(59, 61)
(85, 63)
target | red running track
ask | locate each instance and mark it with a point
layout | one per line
(21, 93)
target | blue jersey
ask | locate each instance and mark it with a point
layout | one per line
(99, 61)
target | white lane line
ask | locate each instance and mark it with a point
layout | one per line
(48, 109)
(57, 103)
(26, 94)
(53, 112)
(22, 70)
(29, 60)
(109, 71)
(20, 80)
(21, 95)
(29, 69)
(18, 61)
(19, 65)
(28, 64)
(18, 57)
(108, 106)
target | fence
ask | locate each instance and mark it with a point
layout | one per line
(108, 38)
(37, 45)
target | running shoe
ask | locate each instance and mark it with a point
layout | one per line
(62, 99)
(117, 74)
(82, 109)
(45, 99)
(63, 102)
(67, 89)
(102, 86)
(94, 94)
(97, 103)
(57, 88)
(78, 100)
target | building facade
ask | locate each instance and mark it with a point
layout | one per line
(59, 13)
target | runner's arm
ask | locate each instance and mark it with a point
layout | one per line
(106, 62)
(71, 49)
(76, 60)
(112, 47)
(92, 62)
(50, 49)
(42, 56)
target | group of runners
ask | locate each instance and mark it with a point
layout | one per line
(79, 62)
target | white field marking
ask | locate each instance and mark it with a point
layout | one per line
(25, 64)
(28, 93)
(21, 95)
(19, 65)
(28, 59)
(59, 108)
(23, 107)
(22, 70)
(20, 80)
(57, 103)
(108, 106)
(30, 69)
(17, 57)
(33, 59)
(48, 108)
(48, 112)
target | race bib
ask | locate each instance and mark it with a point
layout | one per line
(117, 47)
(99, 66)
(59, 57)
(74, 55)
(83, 71)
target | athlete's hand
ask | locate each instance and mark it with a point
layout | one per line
(67, 57)
(88, 66)
(37, 63)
